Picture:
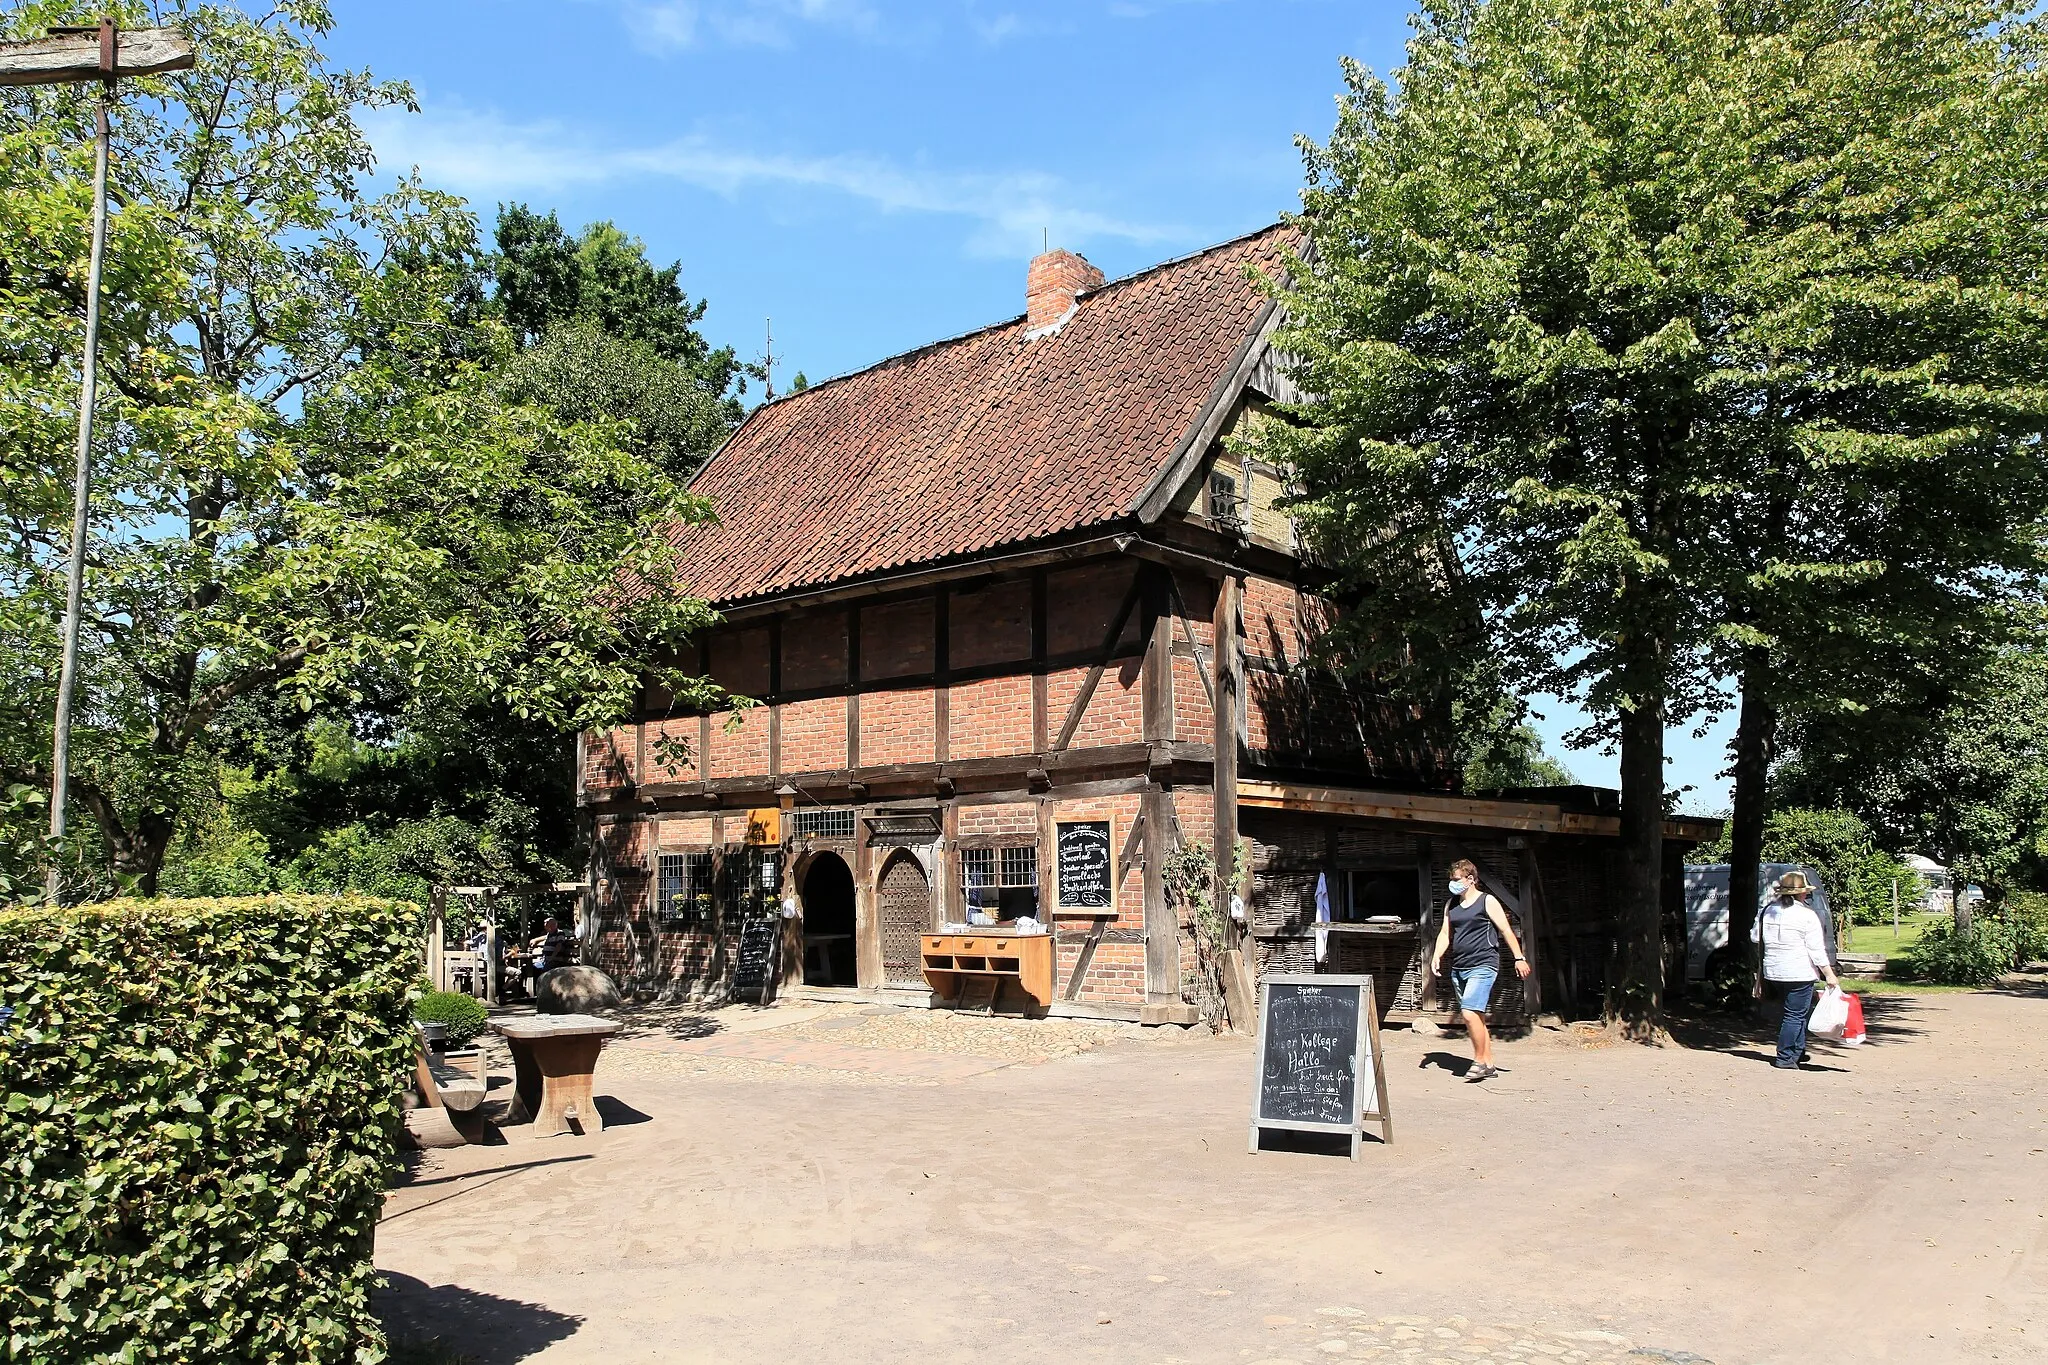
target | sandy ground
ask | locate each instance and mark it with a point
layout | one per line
(786, 1191)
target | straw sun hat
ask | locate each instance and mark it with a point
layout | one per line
(1794, 884)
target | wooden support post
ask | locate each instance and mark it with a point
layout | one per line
(868, 971)
(1426, 925)
(1533, 931)
(1155, 679)
(952, 896)
(493, 970)
(437, 928)
(1162, 930)
(1048, 882)
(1228, 682)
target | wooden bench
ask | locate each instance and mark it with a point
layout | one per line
(444, 1087)
(451, 1103)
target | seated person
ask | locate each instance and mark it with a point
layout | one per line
(556, 947)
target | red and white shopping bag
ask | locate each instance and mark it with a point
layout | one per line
(1852, 1030)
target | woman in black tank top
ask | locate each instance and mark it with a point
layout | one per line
(1474, 926)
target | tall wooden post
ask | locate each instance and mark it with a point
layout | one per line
(1162, 928)
(1229, 682)
(493, 970)
(437, 924)
(1534, 931)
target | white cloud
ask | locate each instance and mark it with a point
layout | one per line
(486, 158)
(667, 25)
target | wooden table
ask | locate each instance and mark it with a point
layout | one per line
(554, 1061)
(956, 965)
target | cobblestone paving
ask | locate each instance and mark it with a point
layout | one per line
(1329, 1334)
(847, 1045)
(1010, 1040)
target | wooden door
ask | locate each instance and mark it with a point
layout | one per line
(906, 899)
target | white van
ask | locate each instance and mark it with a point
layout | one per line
(1706, 908)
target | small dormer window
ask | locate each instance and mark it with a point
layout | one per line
(1224, 506)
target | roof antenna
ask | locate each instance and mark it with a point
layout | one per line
(768, 360)
(1044, 240)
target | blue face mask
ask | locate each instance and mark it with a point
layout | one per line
(1457, 888)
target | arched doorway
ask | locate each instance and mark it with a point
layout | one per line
(828, 922)
(906, 916)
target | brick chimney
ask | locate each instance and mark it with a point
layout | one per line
(1056, 276)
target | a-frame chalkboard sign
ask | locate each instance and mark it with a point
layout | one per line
(756, 964)
(1317, 1036)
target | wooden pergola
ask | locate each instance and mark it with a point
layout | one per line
(440, 962)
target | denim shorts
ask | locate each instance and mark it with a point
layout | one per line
(1475, 986)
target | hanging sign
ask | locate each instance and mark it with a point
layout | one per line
(1317, 1036)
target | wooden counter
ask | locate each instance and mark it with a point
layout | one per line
(957, 963)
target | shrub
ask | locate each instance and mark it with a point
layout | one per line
(464, 1015)
(1976, 956)
(199, 1120)
(2025, 917)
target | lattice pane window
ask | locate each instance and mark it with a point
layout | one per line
(683, 889)
(978, 877)
(827, 824)
(1002, 882)
(1020, 866)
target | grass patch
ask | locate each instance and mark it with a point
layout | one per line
(1859, 985)
(1877, 938)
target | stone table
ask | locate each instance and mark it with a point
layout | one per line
(554, 1060)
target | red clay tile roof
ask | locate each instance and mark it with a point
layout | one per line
(984, 441)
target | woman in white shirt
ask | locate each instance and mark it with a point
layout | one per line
(1795, 956)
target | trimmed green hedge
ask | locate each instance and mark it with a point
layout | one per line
(200, 1116)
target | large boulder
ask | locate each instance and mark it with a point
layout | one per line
(574, 990)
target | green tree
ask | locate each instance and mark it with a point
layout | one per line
(1590, 272)
(608, 337)
(311, 476)
(1972, 795)
(661, 411)
(1514, 756)
(1890, 510)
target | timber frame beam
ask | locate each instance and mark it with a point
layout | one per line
(1422, 808)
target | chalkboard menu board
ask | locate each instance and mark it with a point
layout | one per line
(753, 971)
(1317, 1035)
(1087, 873)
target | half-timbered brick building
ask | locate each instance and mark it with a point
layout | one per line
(1014, 583)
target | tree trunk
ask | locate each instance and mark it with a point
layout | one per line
(1756, 739)
(140, 857)
(1636, 1001)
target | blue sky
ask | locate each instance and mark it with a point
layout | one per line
(874, 175)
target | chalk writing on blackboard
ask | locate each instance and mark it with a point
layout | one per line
(1087, 880)
(753, 972)
(1309, 1055)
(1318, 1034)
